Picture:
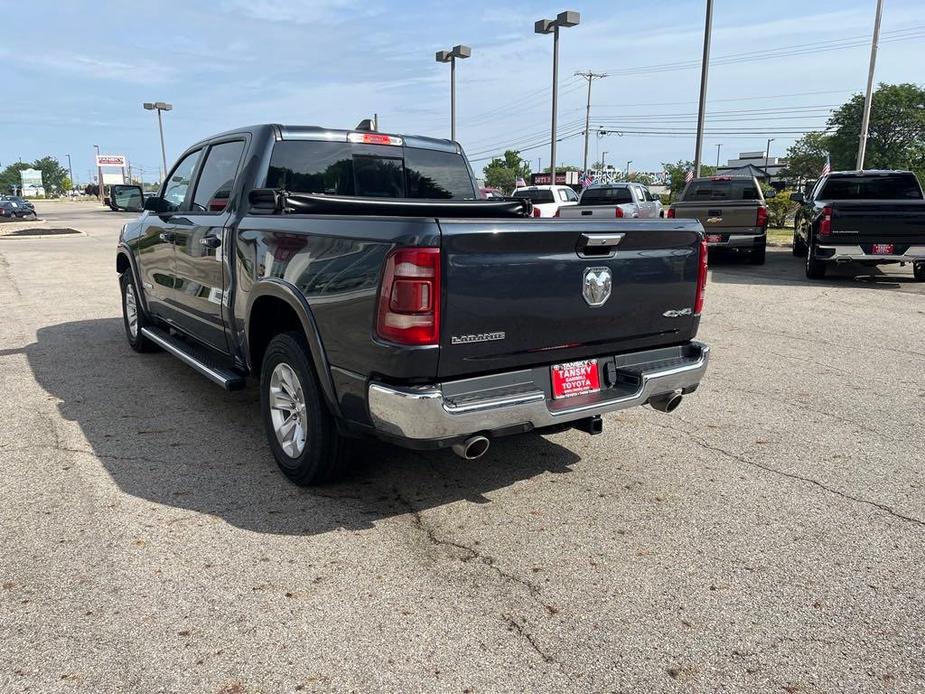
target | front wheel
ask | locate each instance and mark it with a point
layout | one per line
(300, 430)
(132, 316)
(815, 268)
(918, 271)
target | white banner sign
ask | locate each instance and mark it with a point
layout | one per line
(110, 160)
(113, 178)
(31, 178)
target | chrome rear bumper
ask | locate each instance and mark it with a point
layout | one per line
(913, 254)
(522, 398)
(748, 240)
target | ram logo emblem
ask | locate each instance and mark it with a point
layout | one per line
(597, 285)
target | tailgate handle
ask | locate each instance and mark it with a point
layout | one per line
(714, 213)
(598, 245)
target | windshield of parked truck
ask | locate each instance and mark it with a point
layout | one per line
(606, 196)
(537, 196)
(385, 171)
(887, 187)
(721, 189)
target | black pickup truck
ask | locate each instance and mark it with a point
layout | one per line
(861, 217)
(356, 275)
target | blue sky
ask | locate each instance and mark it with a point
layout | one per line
(77, 73)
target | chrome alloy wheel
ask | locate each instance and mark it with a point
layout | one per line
(287, 410)
(131, 310)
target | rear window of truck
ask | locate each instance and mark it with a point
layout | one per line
(720, 190)
(538, 197)
(383, 171)
(891, 187)
(606, 196)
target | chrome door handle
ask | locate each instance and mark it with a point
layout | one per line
(167, 236)
(210, 241)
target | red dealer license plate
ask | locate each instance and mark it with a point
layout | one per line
(882, 249)
(714, 238)
(575, 378)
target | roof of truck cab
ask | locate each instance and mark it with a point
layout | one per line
(321, 134)
(869, 172)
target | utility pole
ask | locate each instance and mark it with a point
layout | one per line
(704, 70)
(603, 154)
(865, 120)
(70, 171)
(99, 173)
(590, 76)
(767, 155)
(717, 154)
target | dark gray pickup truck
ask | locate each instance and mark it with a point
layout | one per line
(358, 278)
(861, 218)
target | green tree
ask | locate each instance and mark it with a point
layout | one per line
(10, 178)
(503, 172)
(53, 174)
(780, 208)
(896, 137)
(677, 175)
(806, 156)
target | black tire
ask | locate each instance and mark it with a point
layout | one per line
(918, 271)
(136, 340)
(815, 268)
(324, 454)
(799, 246)
(757, 255)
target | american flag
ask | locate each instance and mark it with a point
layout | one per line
(520, 182)
(587, 178)
(690, 176)
(827, 167)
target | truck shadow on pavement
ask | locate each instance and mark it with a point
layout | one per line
(165, 434)
(781, 267)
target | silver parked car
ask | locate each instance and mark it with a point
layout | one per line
(631, 200)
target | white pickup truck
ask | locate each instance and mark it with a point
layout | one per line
(630, 200)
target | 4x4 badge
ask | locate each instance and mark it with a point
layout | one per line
(596, 285)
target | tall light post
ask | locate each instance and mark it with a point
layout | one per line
(718, 147)
(160, 106)
(603, 154)
(565, 19)
(628, 168)
(99, 174)
(767, 155)
(70, 171)
(704, 71)
(865, 119)
(450, 57)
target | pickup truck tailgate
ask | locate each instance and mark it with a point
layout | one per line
(720, 215)
(879, 221)
(514, 290)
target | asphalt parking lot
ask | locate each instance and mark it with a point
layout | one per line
(769, 536)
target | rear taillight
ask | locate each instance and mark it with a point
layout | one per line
(409, 299)
(762, 219)
(670, 213)
(701, 279)
(825, 222)
(536, 211)
(618, 212)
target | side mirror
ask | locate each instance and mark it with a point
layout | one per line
(797, 197)
(126, 198)
(157, 205)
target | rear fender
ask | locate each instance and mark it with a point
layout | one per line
(289, 294)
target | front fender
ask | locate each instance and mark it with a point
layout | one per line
(123, 250)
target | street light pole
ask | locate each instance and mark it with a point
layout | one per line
(717, 154)
(450, 57)
(590, 76)
(767, 155)
(865, 120)
(160, 106)
(628, 168)
(603, 154)
(566, 19)
(99, 174)
(70, 171)
(704, 70)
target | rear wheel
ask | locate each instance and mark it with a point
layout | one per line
(918, 271)
(300, 430)
(132, 317)
(757, 255)
(799, 246)
(815, 268)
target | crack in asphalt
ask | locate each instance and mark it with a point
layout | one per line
(809, 480)
(517, 627)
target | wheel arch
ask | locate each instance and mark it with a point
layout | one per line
(125, 260)
(274, 307)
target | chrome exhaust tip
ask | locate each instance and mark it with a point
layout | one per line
(472, 448)
(666, 403)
